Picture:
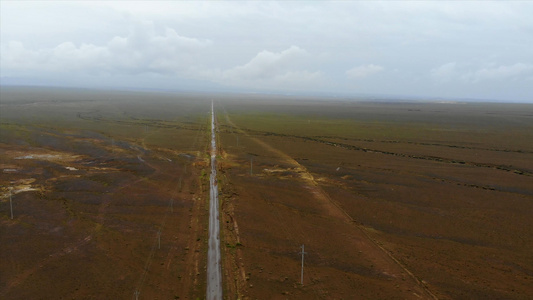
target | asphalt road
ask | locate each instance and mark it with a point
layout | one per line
(214, 273)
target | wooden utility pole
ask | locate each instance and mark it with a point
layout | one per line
(302, 253)
(11, 205)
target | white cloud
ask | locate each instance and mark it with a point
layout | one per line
(445, 72)
(517, 70)
(364, 71)
(266, 64)
(452, 71)
(484, 48)
(268, 69)
(143, 50)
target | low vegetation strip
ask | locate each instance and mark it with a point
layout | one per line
(136, 122)
(518, 171)
(424, 144)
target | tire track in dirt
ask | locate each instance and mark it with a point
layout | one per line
(377, 253)
(299, 235)
(188, 285)
(233, 268)
(99, 221)
(20, 278)
(73, 247)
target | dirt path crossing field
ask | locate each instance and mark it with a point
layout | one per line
(382, 259)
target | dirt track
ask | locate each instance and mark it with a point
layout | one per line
(95, 207)
(411, 217)
(391, 201)
(381, 258)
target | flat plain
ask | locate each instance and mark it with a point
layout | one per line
(392, 199)
(108, 197)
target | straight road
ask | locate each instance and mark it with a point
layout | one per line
(214, 273)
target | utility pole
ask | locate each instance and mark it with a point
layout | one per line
(302, 253)
(11, 204)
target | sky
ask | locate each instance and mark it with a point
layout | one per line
(435, 49)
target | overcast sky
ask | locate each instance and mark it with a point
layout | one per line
(454, 49)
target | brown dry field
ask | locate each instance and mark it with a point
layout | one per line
(96, 177)
(393, 200)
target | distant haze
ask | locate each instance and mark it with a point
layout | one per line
(477, 50)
